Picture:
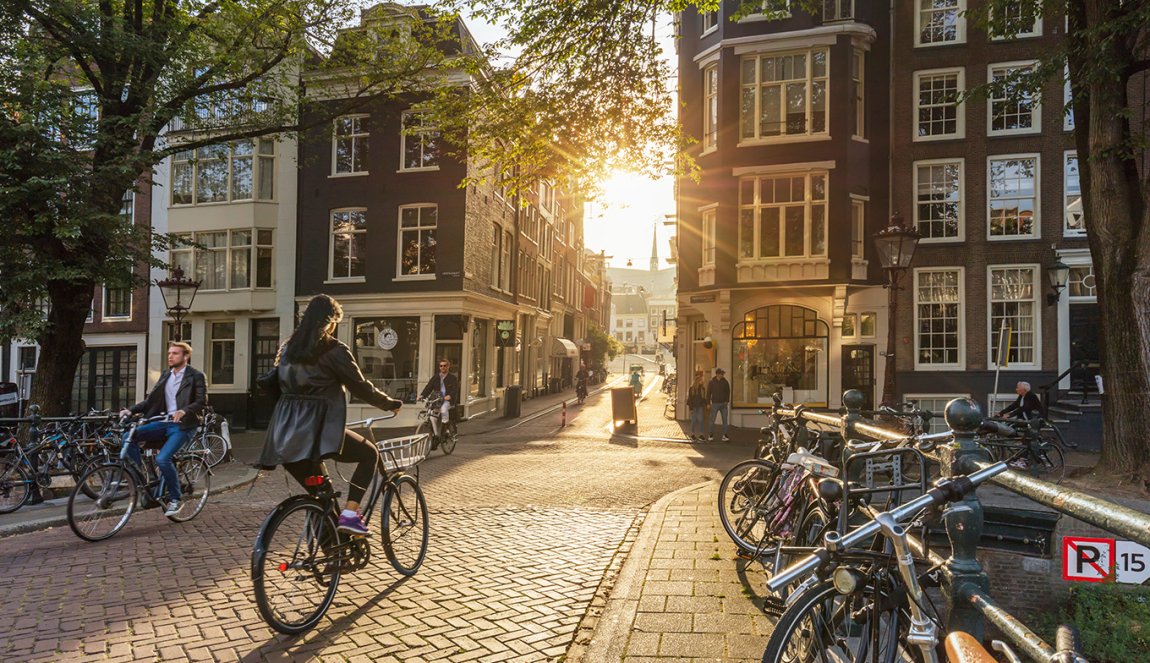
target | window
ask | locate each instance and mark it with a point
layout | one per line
(937, 102)
(117, 303)
(348, 243)
(838, 10)
(477, 381)
(1018, 19)
(349, 145)
(783, 216)
(417, 228)
(779, 348)
(850, 325)
(708, 257)
(709, 21)
(1013, 196)
(1075, 220)
(784, 95)
(1067, 99)
(128, 206)
(224, 173)
(936, 404)
(223, 358)
(265, 252)
(858, 229)
(225, 261)
(496, 255)
(940, 22)
(858, 90)
(1014, 303)
(171, 333)
(867, 323)
(505, 263)
(1080, 283)
(387, 351)
(710, 108)
(938, 326)
(420, 143)
(938, 204)
(1011, 109)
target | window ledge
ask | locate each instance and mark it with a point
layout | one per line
(934, 139)
(357, 279)
(708, 150)
(430, 169)
(1007, 133)
(955, 42)
(707, 275)
(942, 240)
(861, 139)
(1012, 238)
(336, 176)
(116, 318)
(939, 367)
(415, 277)
(777, 140)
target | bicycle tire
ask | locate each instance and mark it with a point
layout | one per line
(15, 484)
(285, 581)
(214, 448)
(1049, 461)
(404, 525)
(744, 491)
(112, 484)
(195, 485)
(450, 438)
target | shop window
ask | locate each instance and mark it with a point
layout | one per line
(387, 351)
(779, 349)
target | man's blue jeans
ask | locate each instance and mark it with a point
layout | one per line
(720, 408)
(174, 437)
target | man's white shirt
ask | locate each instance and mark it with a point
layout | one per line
(170, 389)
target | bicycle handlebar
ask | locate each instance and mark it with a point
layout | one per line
(366, 423)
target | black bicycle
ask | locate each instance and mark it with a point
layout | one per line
(300, 555)
(444, 434)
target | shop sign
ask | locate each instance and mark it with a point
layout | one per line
(702, 299)
(504, 333)
(387, 338)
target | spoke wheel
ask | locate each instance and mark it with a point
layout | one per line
(15, 486)
(747, 503)
(450, 438)
(195, 484)
(405, 530)
(214, 447)
(1049, 461)
(293, 577)
(115, 500)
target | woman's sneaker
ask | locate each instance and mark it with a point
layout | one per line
(353, 525)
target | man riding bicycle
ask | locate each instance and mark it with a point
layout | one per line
(581, 381)
(181, 392)
(1026, 406)
(446, 385)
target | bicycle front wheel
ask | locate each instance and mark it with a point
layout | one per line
(295, 565)
(1049, 461)
(214, 447)
(101, 517)
(450, 438)
(15, 486)
(195, 484)
(745, 498)
(405, 531)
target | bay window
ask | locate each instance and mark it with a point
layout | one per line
(226, 259)
(784, 95)
(224, 173)
(783, 216)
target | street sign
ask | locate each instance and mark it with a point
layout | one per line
(1104, 560)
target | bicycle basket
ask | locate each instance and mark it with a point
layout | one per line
(401, 453)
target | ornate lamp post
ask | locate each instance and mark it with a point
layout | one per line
(1059, 274)
(896, 244)
(175, 290)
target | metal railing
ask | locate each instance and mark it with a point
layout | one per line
(965, 585)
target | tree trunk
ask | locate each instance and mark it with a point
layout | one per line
(61, 345)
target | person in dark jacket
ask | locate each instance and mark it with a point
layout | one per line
(446, 385)
(719, 396)
(1026, 406)
(697, 402)
(311, 378)
(181, 393)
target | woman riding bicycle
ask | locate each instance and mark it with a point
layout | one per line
(313, 371)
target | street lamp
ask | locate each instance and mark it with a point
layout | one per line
(174, 290)
(1059, 274)
(896, 244)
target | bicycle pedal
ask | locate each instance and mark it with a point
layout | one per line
(743, 554)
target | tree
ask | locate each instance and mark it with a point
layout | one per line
(604, 347)
(86, 91)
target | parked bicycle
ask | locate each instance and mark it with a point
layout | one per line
(1028, 446)
(299, 555)
(107, 495)
(212, 438)
(444, 432)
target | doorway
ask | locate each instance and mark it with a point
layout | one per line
(265, 344)
(858, 371)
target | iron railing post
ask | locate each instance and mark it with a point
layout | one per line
(963, 572)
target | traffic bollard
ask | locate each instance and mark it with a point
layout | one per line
(563, 421)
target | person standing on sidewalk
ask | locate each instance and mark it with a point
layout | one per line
(719, 396)
(696, 402)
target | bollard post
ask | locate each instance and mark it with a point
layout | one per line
(853, 400)
(563, 420)
(963, 522)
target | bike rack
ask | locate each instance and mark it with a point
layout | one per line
(965, 584)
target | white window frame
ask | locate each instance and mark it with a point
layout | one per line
(259, 161)
(708, 216)
(960, 312)
(961, 236)
(331, 277)
(858, 84)
(212, 340)
(959, 32)
(708, 22)
(400, 230)
(874, 328)
(1036, 100)
(937, 424)
(1036, 299)
(838, 13)
(1093, 285)
(419, 135)
(104, 292)
(354, 137)
(854, 326)
(1067, 94)
(1037, 224)
(1035, 32)
(959, 106)
(809, 78)
(710, 108)
(808, 207)
(1067, 231)
(858, 229)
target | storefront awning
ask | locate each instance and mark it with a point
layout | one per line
(562, 347)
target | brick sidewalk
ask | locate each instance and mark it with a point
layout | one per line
(681, 594)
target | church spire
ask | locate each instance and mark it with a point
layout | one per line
(655, 247)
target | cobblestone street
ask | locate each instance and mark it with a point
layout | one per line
(526, 523)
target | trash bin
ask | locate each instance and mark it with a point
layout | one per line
(623, 409)
(513, 399)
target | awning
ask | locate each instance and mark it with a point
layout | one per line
(561, 347)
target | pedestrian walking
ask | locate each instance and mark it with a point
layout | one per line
(637, 382)
(719, 396)
(697, 402)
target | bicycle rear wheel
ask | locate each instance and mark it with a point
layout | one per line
(214, 447)
(195, 484)
(15, 485)
(115, 500)
(293, 576)
(404, 528)
(746, 496)
(450, 438)
(1049, 461)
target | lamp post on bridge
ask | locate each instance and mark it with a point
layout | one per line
(896, 244)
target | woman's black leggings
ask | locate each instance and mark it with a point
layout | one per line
(356, 450)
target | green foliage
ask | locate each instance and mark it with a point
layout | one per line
(1113, 620)
(603, 346)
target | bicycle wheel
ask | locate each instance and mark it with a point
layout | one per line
(747, 502)
(293, 578)
(195, 484)
(450, 438)
(116, 495)
(1047, 459)
(405, 530)
(15, 486)
(823, 626)
(214, 448)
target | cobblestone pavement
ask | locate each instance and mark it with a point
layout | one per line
(526, 526)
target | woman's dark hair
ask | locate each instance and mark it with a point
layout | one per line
(305, 343)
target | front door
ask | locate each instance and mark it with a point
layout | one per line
(858, 371)
(265, 344)
(1084, 322)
